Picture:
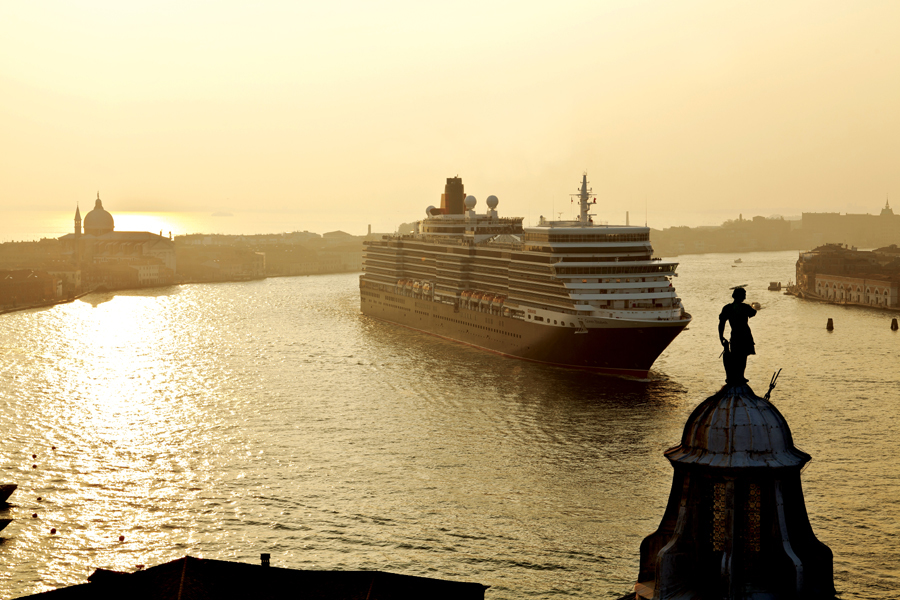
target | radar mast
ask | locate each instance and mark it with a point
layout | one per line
(584, 202)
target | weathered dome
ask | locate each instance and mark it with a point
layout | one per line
(735, 428)
(98, 221)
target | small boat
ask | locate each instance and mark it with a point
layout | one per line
(737, 261)
(6, 490)
(774, 286)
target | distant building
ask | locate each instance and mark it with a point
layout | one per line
(220, 263)
(874, 290)
(117, 259)
(841, 275)
(777, 233)
(25, 287)
(69, 275)
(338, 236)
(856, 229)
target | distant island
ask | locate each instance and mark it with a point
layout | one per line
(96, 256)
(776, 233)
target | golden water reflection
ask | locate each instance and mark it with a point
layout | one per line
(226, 420)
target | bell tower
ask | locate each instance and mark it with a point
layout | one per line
(77, 221)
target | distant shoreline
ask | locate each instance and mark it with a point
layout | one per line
(67, 300)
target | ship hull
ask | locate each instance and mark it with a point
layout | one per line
(615, 347)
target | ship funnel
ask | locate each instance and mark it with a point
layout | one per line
(453, 198)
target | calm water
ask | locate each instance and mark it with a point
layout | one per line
(227, 420)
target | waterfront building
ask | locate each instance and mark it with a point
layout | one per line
(874, 290)
(834, 273)
(24, 287)
(117, 259)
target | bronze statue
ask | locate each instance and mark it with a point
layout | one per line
(735, 354)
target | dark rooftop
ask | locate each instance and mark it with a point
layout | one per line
(192, 578)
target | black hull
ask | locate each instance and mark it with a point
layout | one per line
(628, 349)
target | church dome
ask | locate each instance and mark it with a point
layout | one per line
(737, 429)
(98, 221)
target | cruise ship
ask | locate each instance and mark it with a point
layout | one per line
(571, 293)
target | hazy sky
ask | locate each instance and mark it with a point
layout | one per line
(358, 111)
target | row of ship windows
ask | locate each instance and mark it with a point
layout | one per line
(430, 254)
(544, 302)
(617, 254)
(537, 318)
(612, 270)
(567, 258)
(457, 254)
(547, 295)
(461, 322)
(393, 306)
(602, 237)
(517, 271)
(367, 293)
(443, 273)
(455, 260)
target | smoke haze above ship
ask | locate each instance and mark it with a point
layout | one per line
(350, 112)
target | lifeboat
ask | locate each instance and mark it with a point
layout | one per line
(426, 288)
(498, 300)
(417, 286)
(409, 284)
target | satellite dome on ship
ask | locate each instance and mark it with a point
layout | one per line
(98, 221)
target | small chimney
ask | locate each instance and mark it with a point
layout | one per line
(264, 559)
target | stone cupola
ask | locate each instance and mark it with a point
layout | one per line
(735, 526)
